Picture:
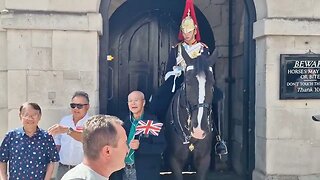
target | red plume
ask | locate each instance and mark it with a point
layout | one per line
(189, 5)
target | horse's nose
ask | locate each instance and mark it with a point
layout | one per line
(198, 133)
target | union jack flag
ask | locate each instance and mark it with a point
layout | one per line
(148, 127)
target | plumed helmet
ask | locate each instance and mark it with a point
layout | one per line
(189, 21)
(187, 24)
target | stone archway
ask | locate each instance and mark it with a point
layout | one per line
(156, 25)
(245, 34)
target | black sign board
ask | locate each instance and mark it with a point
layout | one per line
(300, 76)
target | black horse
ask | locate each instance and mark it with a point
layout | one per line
(188, 119)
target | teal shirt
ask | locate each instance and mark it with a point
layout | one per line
(130, 156)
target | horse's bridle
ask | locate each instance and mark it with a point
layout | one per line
(197, 106)
(186, 131)
(190, 108)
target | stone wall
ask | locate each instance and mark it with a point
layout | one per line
(287, 140)
(47, 52)
(49, 67)
(2, 5)
(76, 6)
(3, 78)
(3, 83)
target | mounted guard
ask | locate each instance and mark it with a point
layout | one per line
(184, 101)
(189, 35)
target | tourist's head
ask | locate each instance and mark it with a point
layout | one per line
(30, 115)
(79, 105)
(105, 139)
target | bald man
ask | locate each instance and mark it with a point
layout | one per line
(144, 157)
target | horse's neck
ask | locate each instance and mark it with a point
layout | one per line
(179, 107)
(182, 95)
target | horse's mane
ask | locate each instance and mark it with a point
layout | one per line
(201, 65)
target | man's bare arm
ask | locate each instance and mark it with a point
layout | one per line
(3, 171)
(49, 172)
(59, 129)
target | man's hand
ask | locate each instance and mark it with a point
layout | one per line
(57, 129)
(134, 144)
(60, 129)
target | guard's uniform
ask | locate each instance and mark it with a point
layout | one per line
(176, 64)
(194, 50)
(161, 100)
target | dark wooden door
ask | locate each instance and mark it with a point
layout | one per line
(140, 51)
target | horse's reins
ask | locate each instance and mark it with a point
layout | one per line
(186, 138)
(187, 135)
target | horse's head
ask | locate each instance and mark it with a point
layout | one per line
(199, 88)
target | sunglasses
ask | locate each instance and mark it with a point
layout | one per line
(79, 106)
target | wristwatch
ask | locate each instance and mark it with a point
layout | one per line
(70, 130)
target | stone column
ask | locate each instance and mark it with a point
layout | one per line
(3, 84)
(287, 140)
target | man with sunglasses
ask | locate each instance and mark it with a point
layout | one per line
(68, 133)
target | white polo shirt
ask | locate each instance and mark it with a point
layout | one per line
(71, 152)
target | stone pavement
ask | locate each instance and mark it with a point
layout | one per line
(212, 176)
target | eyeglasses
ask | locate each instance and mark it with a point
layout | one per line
(79, 106)
(28, 116)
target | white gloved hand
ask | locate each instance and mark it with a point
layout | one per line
(177, 70)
